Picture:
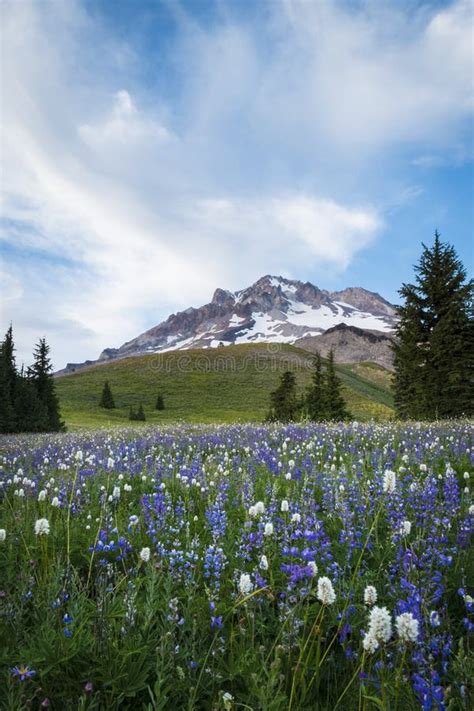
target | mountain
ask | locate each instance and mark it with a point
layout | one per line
(272, 310)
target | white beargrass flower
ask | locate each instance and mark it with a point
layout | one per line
(314, 568)
(260, 507)
(471, 510)
(42, 527)
(110, 463)
(389, 481)
(252, 512)
(145, 554)
(79, 456)
(370, 595)
(407, 627)
(326, 592)
(405, 528)
(227, 699)
(370, 643)
(42, 495)
(55, 502)
(284, 506)
(116, 492)
(245, 584)
(296, 518)
(264, 562)
(3, 535)
(380, 624)
(423, 468)
(434, 618)
(288, 476)
(268, 529)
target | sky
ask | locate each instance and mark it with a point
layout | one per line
(154, 150)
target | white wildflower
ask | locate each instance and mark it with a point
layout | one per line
(284, 506)
(227, 698)
(370, 595)
(252, 512)
(260, 507)
(268, 529)
(264, 562)
(423, 468)
(389, 481)
(405, 528)
(296, 518)
(42, 495)
(407, 627)
(116, 492)
(3, 535)
(79, 456)
(435, 620)
(42, 527)
(370, 643)
(55, 502)
(110, 463)
(380, 624)
(326, 592)
(313, 567)
(145, 554)
(245, 584)
(471, 510)
(466, 475)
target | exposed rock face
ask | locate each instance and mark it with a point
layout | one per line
(274, 309)
(352, 345)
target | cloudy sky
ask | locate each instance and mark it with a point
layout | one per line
(153, 150)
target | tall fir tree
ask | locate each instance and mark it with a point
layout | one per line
(107, 399)
(30, 412)
(284, 405)
(41, 376)
(434, 351)
(160, 403)
(335, 405)
(315, 401)
(8, 384)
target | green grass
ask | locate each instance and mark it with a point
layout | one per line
(213, 385)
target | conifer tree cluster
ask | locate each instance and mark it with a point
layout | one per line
(322, 401)
(434, 350)
(28, 400)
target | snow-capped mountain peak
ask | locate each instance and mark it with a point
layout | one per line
(273, 309)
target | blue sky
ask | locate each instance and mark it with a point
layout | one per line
(154, 150)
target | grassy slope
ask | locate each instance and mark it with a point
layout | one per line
(216, 385)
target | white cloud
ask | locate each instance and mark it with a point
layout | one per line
(153, 204)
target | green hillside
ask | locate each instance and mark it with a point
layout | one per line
(214, 385)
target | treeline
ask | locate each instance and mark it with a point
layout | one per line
(323, 399)
(107, 401)
(434, 349)
(28, 400)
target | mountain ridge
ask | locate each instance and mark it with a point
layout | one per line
(273, 309)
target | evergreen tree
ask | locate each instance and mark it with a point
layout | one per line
(284, 405)
(433, 355)
(160, 403)
(315, 401)
(8, 383)
(107, 399)
(42, 378)
(132, 415)
(30, 412)
(335, 405)
(141, 413)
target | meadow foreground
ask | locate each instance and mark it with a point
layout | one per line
(238, 567)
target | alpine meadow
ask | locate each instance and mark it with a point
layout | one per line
(237, 369)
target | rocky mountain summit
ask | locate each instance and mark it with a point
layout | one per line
(272, 310)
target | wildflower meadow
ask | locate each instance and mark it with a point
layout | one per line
(323, 567)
